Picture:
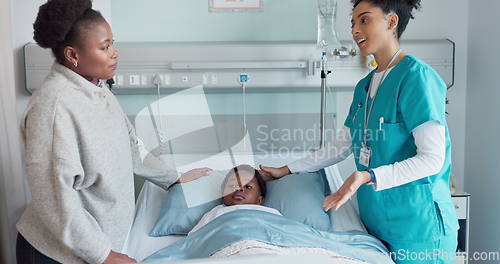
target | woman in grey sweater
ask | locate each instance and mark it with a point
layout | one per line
(81, 150)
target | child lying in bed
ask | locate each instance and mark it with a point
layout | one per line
(243, 188)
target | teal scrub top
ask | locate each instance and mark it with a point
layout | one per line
(411, 94)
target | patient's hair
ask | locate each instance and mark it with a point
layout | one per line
(248, 168)
(403, 8)
(62, 23)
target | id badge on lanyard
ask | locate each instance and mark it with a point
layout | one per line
(365, 155)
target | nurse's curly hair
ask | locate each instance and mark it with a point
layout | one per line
(60, 23)
(403, 8)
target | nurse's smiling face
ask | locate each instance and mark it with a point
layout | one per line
(372, 28)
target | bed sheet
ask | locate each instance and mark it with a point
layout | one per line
(252, 248)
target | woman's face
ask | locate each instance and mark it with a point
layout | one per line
(96, 55)
(371, 28)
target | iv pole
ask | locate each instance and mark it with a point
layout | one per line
(322, 122)
(327, 36)
(324, 75)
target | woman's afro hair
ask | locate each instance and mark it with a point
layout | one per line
(56, 19)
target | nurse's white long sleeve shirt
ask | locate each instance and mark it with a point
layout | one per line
(430, 139)
(431, 149)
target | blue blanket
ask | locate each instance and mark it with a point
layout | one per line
(273, 229)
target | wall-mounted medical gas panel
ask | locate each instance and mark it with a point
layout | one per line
(143, 66)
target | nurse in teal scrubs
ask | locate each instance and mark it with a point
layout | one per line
(397, 131)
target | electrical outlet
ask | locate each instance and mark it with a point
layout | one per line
(205, 79)
(214, 79)
(166, 79)
(118, 80)
(144, 80)
(134, 80)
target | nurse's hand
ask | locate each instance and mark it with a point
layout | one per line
(194, 175)
(347, 190)
(118, 258)
(270, 173)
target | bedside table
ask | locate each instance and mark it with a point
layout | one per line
(462, 207)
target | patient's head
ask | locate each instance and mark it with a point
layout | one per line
(243, 185)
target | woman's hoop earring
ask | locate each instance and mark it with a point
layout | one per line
(76, 64)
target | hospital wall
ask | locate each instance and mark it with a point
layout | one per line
(483, 126)
(178, 21)
(165, 25)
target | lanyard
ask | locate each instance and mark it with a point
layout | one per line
(367, 115)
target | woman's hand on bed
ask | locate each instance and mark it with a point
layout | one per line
(118, 258)
(347, 190)
(270, 173)
(194, 175)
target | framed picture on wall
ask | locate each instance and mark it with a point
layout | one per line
(235, 5)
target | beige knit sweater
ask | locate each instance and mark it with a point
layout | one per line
(81, 154)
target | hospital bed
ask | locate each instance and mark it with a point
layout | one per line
(140, 245)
